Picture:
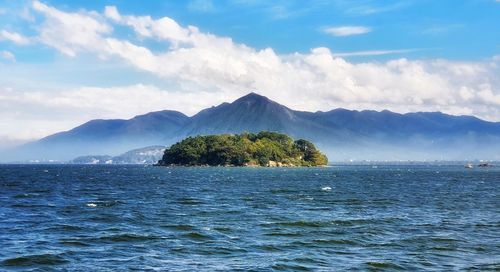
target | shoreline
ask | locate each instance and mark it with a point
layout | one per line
(238, 166)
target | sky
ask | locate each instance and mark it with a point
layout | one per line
(65, 62)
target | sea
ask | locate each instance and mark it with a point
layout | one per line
(145, 218)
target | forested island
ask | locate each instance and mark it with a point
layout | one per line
(247, 149)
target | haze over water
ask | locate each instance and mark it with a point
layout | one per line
(69, 217)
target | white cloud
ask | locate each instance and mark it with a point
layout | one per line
(441, 29)
(355, 7)
(374, 52)
(7, 55)
(61, 110)
(207, 62)
(113, 102)
(112, 13)
(14, 37)
(210, 69)
(71, 33)
(340, 31)
(163, 29)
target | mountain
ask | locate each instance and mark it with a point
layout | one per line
(342, 134)
(146, 155)
(104, 137)
(254, 113)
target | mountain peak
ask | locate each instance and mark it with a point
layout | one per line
(252, 97)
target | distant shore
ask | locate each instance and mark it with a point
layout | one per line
(239, 166)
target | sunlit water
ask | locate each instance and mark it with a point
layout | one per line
(89, 218)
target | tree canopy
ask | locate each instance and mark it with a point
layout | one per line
(246, 149)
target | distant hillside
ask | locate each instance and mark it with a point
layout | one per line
(146, 155)
(104, 137)
(342, 134)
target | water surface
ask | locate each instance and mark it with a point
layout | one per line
(87, 218)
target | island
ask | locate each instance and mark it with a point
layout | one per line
(267, 149)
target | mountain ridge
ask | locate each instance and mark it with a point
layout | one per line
(342, 133)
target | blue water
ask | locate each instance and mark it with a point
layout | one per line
(116, 218)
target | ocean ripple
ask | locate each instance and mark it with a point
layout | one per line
(134, 218)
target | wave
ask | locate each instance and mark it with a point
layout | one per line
(300, 224)
(336, 242)
(180, 227)
(384, 265)
(128, 237)
(290, 267)
(65, 227)
(73, 242)
(196, 236)
(189, 201)
(39, 259)
(284, 234)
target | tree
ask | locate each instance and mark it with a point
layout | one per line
(240, 149)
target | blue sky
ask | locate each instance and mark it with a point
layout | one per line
(464, 30)
(64, 62)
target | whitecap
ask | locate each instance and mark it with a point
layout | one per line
(92, 205)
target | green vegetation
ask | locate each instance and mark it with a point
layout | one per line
(246, 149)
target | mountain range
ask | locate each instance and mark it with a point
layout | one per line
(342, 134)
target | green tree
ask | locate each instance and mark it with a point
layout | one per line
(240, 149)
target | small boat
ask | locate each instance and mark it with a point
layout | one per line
(469, 165)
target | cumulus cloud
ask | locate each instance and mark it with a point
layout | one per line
(14, 37)
(340, 31)
(71, 33)
(210, 69)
